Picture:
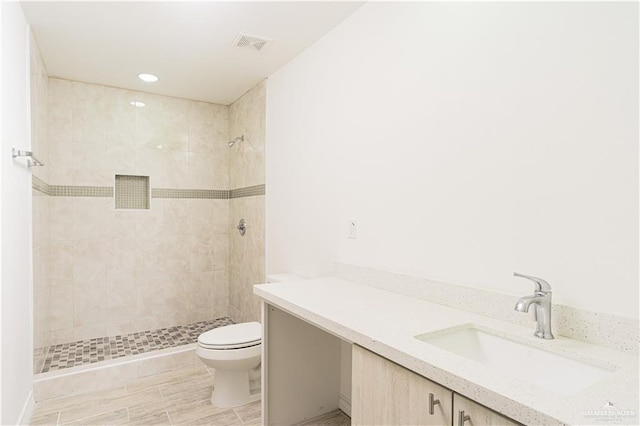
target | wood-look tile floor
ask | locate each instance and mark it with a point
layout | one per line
(178, 397)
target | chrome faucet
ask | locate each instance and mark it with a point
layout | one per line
(541, 298)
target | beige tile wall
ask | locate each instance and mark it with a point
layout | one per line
(246, 259)
(247, 117)
(120, 271)
(40, 206)
(247, 254)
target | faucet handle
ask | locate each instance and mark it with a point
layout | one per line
(541, 285)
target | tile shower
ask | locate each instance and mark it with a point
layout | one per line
(104, 271)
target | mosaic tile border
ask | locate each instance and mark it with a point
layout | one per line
(72, 354)
(108, 191)
(190, 193)
(248, 191)
(39, 185)
(80, 191)
(70, 190)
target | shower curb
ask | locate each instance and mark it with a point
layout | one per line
(112, 373)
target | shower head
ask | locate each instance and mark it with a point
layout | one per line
(234, 141)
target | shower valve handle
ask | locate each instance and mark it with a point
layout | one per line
(242, 227)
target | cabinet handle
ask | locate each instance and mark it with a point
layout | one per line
(462, 418)
(432, 403)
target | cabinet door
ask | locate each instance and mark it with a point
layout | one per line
(479, 415)
(384, 393)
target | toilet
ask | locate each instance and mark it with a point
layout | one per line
(235, 351)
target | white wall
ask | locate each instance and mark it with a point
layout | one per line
(16, 326)
(469, 140)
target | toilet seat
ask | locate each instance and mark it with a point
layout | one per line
(229, 347)
(236, 336)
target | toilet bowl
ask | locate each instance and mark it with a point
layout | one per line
(234, 352)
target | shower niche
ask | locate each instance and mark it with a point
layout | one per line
(132, 192)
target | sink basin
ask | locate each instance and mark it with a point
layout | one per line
(535, 366)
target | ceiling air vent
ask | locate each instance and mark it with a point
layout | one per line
(251, 42)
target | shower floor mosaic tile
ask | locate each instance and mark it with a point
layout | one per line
(69, 355)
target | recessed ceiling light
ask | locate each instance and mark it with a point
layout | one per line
(148, 78)
(137, 104)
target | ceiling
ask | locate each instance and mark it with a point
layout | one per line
(188, 45)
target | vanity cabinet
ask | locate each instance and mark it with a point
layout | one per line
(384, 393)
(470, 413)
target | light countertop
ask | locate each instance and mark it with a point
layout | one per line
(386, 323)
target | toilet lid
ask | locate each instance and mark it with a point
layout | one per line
(232, 336)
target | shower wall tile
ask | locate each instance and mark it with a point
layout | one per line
(61, 336)
(174, 256)
(151, 251)
(40, 216)
(209, 129)
(61, 260)
(60, 218)
(89, 113)
(221, 219)
(200, 315)
(60, 113)
(40, 260)
(154, 295)
(39, 96)
(220, 311)
(122, 258)
(125, 271)
(59, 88)
(246, 168)
(220, 252)
(201, 218)
(89, 218)
(89, 260)
(88, 332)
(150, 162)
(202, 254)
(41, 299)
(202, 172)
(121, 298)
(221, 167)
(149, 123)
(91, 94)
(88, 301)
(201, 294)
(149, 222)
(120, 160)
(89, 165)
(120, 327)
(162, 321)
(61, 312)
(60, 163)
(246, 259)
(120, 223)
(247, 117)
(176, 164)
(175, 220)
(175, 124)
(120, 118)
(221, 288)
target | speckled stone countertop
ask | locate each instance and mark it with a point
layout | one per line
(386, 323)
